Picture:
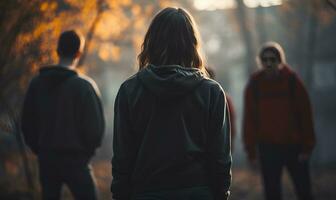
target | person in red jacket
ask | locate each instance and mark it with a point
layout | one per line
(278, 125)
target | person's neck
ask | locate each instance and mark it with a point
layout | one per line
(67, 63)
(273, 73)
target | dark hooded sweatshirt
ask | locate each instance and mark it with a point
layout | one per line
(62, 113)
(171, 131)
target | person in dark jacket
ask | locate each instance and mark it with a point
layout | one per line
(171, 126)
(232, 112)
(278, 124)
(63, 123)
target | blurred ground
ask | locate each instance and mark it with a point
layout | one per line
(246, 184)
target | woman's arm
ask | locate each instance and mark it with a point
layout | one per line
(219, 148)
(123, 148)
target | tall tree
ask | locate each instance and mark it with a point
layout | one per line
(101, 7)
(246, 36)
(260, 24)
(311, 42)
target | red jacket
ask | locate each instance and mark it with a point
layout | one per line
(277, 111)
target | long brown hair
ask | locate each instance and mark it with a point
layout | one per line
(172, 39)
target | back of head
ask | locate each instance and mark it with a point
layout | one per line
(70, 44)
(172, 39)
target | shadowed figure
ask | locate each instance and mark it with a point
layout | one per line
(171, 130)
(278, 126)
(63, 123)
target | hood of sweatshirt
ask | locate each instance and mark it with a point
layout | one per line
(170, 81)
(53, 76)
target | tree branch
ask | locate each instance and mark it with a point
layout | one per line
(331, 4)
(101, 6)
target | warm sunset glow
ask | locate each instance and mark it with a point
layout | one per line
(262, 3)
(229, 4)
(109, 52)
(214, 4)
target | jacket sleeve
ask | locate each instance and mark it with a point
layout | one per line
(28, 120)
(92, 121)
(124, 151)
(305, 118)
(219, 148)
(249, 123)
(232, 120)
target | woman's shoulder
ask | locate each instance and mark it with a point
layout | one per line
(130, 80)
(130, 84)
(212, 84)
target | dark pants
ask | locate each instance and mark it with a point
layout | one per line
(192, 193)
(273, 158)
(72, 170)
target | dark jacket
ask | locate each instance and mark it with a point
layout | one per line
(171, 130)
(232, 113)
(62, 113)
(277, 111)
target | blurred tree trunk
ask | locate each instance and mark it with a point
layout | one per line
(332, 4)
(246, 36)
(15, 127)
(260, 24)
(302, 23)
(101, 6)
(311, 43)
(311, 47)
(24, 156)
(16, 18)
(298, 32)
(8, 37)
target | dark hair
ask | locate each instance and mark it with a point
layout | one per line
(275, 48)
(69, 44)
(172, 39)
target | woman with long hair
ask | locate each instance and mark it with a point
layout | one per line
(171, 126)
